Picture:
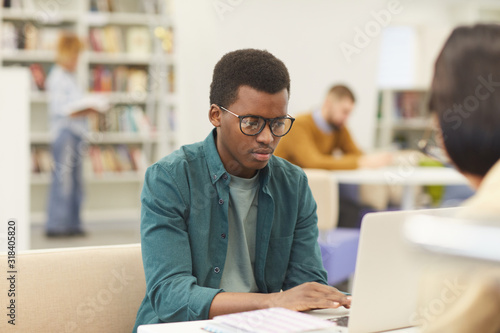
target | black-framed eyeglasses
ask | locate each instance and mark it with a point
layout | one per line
(430, 147)
(253, 125)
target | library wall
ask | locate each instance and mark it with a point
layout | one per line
(305, 35)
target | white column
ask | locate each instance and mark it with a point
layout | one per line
(15, 155)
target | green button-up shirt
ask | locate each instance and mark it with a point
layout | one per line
(184, 232)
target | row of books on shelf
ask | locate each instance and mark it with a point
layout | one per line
(132, 80)
(134, 40)
(101, 160)
(38, 77)
(103, 79)
(122, 119)
(28, 36)
(118, 79)
(171, 78)
(410, 104)
(124, 6)
(19, 4)
(130, 6)
(116, 159)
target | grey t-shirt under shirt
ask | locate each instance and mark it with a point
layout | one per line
(238, 274)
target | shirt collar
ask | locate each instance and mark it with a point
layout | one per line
(215, 166)
(321, 123)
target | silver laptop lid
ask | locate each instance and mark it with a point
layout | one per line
(387, 273)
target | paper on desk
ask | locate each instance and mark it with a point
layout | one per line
(273, 320)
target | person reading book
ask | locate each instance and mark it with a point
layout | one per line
(68, 111)
(225, 225)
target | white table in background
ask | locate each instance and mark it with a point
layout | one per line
(408, 177)
(196, 326)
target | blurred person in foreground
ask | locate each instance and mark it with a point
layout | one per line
(465, 94)
(225, 225)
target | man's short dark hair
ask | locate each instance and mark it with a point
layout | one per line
(257, 69)
(340, 91)
(465, 94)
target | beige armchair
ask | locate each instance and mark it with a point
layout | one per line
(86, 289)
(325, 191)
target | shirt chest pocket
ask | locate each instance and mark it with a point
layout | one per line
(278, 256)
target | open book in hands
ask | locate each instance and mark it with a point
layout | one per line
(97, 103)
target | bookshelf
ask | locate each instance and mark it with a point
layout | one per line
(129, 58)
(402, 118)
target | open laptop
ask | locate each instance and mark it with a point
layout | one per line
(387, 275)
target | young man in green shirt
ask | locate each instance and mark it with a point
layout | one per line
(225, 225)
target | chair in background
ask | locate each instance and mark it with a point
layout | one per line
(325, 191)
(339, 246)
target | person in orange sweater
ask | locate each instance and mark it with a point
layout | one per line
(316, 136)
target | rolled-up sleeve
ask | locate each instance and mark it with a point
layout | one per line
(303, 151)
(171, 287)
(305, 263)
(63, 93)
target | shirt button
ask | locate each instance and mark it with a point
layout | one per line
(223, 236)
(221, 201)
(216, 270)
(224, 177)
(215, 176)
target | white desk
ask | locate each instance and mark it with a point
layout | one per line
(196, 326)
(407, 176)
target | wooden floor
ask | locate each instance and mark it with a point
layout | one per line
(96, 234)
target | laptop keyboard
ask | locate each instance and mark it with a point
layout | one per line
(340, 321)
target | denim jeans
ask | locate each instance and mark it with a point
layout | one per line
(66, 190)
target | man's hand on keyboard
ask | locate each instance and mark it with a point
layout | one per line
(310, 296)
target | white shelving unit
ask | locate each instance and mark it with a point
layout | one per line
(102, 138)
(122, 177)
(28, 56)
(24, 14)
(397, 129)
(108, 196)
